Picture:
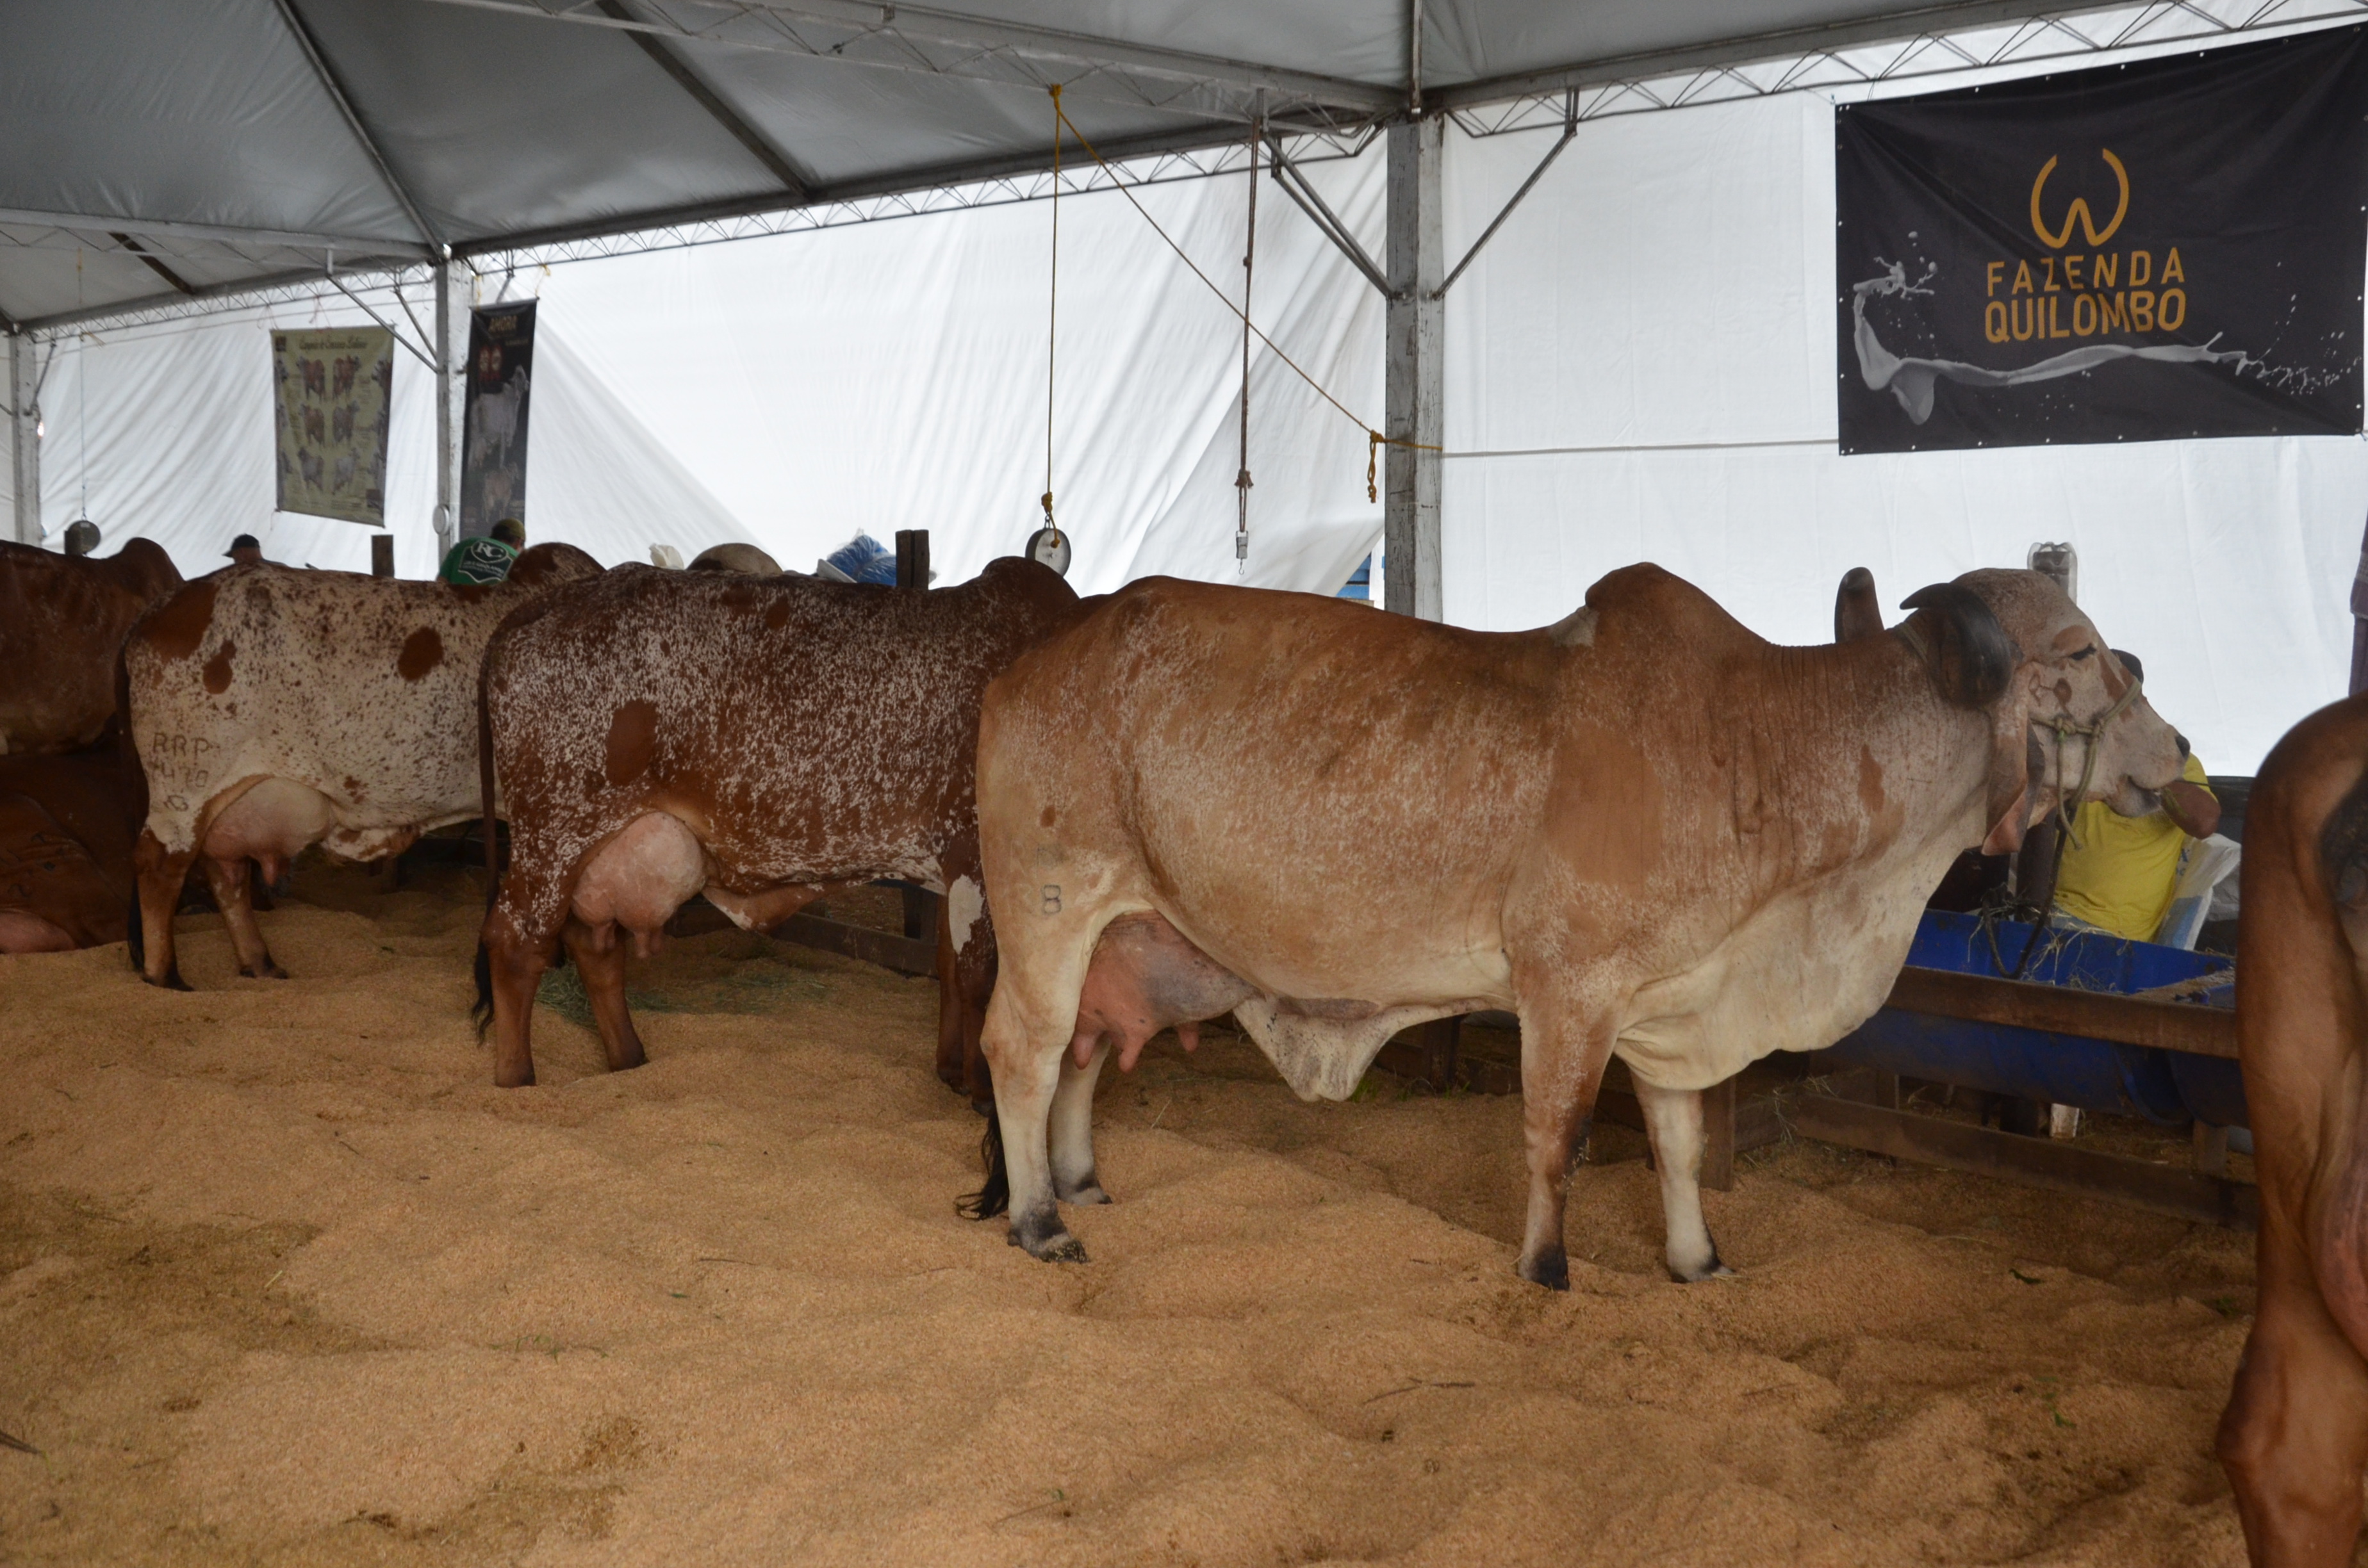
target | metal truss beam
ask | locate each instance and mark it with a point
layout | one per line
(948, 43)
(686, 77)
(1000, 184)
(87, 229)
(338, 95)
(278, 289)
(1864, 57)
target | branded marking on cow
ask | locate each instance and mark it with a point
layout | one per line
(1051, 895)
(422, 651)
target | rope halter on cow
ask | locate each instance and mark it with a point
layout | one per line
(2062, 726)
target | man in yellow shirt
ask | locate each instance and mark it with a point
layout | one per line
(2118, 873)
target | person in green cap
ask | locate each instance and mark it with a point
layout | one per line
(487, 560)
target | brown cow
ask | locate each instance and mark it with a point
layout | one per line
(1647, 830)
(275, 709)
(2295, 1438)
(62, 620)
(766, 739)
(66, 826)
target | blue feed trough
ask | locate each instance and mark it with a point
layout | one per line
(2166, 1087)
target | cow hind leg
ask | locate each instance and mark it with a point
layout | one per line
(1673, 1120)
(1070, 1133)
(233, 886)
(161, 874)
(512, 964)
(1027, 1077)
(2294, 1437)
(599, 959)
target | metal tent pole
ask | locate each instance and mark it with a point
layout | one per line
(1414, 370)
(448, 450)
(24, 438)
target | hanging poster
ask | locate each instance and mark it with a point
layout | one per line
(333, 394)
(2138, 253)
(492, 452)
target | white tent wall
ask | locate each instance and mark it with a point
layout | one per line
(177, 417)
(892, 375)
(1670, 281)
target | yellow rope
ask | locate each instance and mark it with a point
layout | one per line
(1375, 439)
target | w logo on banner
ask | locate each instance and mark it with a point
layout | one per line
(2078, 211)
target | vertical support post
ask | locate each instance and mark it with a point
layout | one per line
(24, 439)
(1416, 372)
(913, 572)
(382, 555)
(448, 393)
(912, 558)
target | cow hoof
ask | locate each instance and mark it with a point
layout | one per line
(1046, 1242)
(525, 1081)
(265, 971)
(172, 982)
(1550, 1269)
(1091, 1192)
(1714, 1270)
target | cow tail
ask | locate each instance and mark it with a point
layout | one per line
(993, 1196)
(481, 1010)
(134, 937)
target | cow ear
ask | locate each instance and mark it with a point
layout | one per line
(1973, 661)
(1857, 612)
(1971, 657)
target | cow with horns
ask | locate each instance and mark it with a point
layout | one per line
(764, 740)
(1646, 830)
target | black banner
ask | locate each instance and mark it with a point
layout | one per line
(492, 453)
(2136, 253)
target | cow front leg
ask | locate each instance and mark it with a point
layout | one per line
(1673, 1120)
(2294, 1437)
(600, 961)
(232, 884)
(1072, 1129)
(162, 873)
(1562, 1070)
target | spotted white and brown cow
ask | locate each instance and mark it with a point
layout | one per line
(658, 733)
(62, 621)
(1645, 829)
(2295, 1438)
(273, 709)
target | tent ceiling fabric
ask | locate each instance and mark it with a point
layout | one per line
(209, 132)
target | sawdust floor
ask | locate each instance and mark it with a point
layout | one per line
(284, 1280)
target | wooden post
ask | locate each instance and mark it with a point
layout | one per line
(382, 555)
(2211, 1150)
(912, 558)
(1718, 1137)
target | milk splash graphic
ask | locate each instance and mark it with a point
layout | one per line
(1911, 381)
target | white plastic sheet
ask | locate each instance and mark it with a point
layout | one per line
(1668, 284)
(179, 448)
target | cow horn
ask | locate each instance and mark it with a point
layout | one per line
(1857, 612)
(1971, 655)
